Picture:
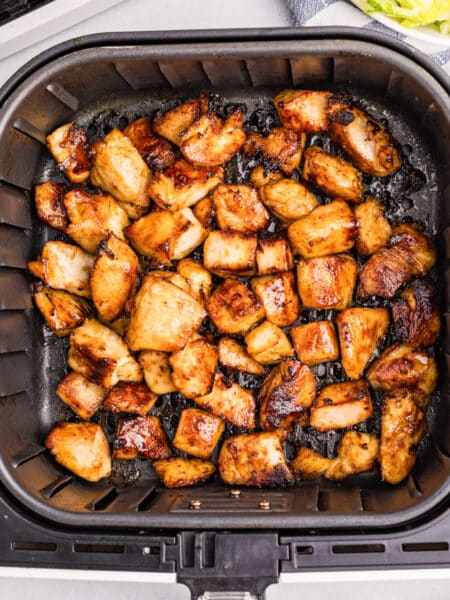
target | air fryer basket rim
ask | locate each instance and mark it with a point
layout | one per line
(121, 42)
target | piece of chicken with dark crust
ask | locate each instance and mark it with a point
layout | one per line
(157, 372)
(198, 432)
(130, 397)
(61, 310)
(277, 293)
(315, 342)
(268, 344)
(283, 147)
(238, 208)
(48, 199)
(81, 395)
(230, 253)
(194, 367)
(180, 472)
(141, 437)
(70, 147)
(234, 357)
(287, 199)
(273, 255)
(198, 278)
(303, 110)
(156, 151)
(341, 405)
(174, 123)
(374, 230)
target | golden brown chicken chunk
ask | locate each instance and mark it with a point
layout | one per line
(278, 295)
(231, 402)
(182, 472)
(194, 366)
(141, 437)
(204, 211)
(70, 147)
(415, 314)
(361, 332)
(156, 151)
(259, 176)
(130, 397)
(82, 448)
(341, 405)
(419, 247)
(254, 459)
(113, 277)
(198, 432)
(198, 278)
(62, 311)
(173, 123)
(287, 199)
(157, 371)
(64, 267)
(327, 281)
(233, 308)
(303, 110)
(403, 425)
(315, 342)
(181, 185)
(234, 357)
(99, 354)
(230, 253)
(163, 316)
(374, 229)
(287, 391)
(238, 208)
(328, 229)
(332, 174)
(283, 147)
(273, 255)
(48, 199)
(268, 344)
(81, 395)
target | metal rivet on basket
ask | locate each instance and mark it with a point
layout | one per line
(195, 504)
(265, 505)
(235, 493)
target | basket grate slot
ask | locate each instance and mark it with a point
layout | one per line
(14, 373)
(30, 130)
(15, 248)
(56, 486)
(99, 548)
(104, 500)
(34, 546)
(358, 548)
(146, 502)
(26, 455)
(15, 334)
(304, 550)
(14, 206)
(425, 547)
(63, 95)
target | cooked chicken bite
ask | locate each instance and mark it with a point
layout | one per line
(198, 278)
(278, 295)
(204, 211)
(374, 229)
(273, 255)
(64, 267)
(182, 472)
(238, 208)
(157, 371)
(99, 354)
(141, 437)
(181, 185)
(130, 397)
(173, 123)
(268, 344)
(334, 175)
(287, 391)
(198, 432)
(254, 459)
(172, 277)
(309, 464)
(82, 448)
(283, 147)
(419, 247)
(70, 147)
(156, 151)
(327, 281)
(230, 253)
(234, 357)
(163, 316)
(62, 311)
(231, 402)
(259, 176)
(303, 110)
(48, 199)
(194, 366)
(287, 199)
(361, 332)
(341, 405)
(81, 395)
(315, 342)
(328, 229)
(233, 308)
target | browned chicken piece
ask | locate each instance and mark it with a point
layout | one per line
(303, 110)
(419, 247)
(62, 311)
(69, 146)
(130, 397)
(120, 325)
(173, 123)
(183, 472)
(259, 176)
(231, 402)
(341, 405)
(327, 281)
(374, 229)
(140, 437)
(172, 277)
(278, 295)
(194, 367)
(361, 332)
(113, 277)
(332, 174)
(48, 199)
(283, 147)
(287, 199)
(82, 448)
(273, 255)
(254, 459)
(403, 425)
(268, 344)
(99, 354)
(81, 395)
(156, 151)
(315, 343)
(238, 208)
(157, 371)
(198, 432)
(230, 253)
(233, 308)
(204, 211)
(309, 464)
(117, 168)
(198, 278)
(369, 144)
(234, 357)
(287, 391)
(64, 267)
(93, 218)
(415, 314)
(181, 185)
(163, 316)
(328, 229)
(402, 367)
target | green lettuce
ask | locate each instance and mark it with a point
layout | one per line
(413, 13)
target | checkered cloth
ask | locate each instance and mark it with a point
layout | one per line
(340, 12)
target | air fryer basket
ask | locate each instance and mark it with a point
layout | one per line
(103, 82)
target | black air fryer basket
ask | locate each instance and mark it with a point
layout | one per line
(53, 519)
